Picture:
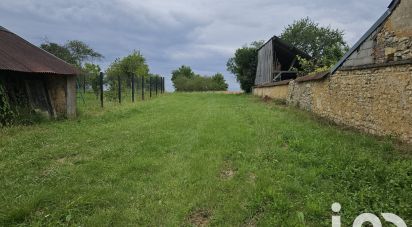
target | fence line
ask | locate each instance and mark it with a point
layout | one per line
(106, 93)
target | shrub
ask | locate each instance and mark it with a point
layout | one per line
(184, 79)
(6, 114)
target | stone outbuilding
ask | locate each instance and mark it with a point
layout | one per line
(34, 80)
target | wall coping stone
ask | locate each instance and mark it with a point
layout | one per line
(279, 83)
(380, 65)
(317, 76)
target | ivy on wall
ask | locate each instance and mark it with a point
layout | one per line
(6, 113)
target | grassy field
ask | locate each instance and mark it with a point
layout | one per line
(197, 159)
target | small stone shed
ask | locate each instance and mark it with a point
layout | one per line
(276, 59)
(34, 80)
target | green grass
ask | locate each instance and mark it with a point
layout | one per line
(182, 159)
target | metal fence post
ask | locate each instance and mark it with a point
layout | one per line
(163, 85)
(84, 84)
(142, 87)
(120, 88)
(156, 83)
(101, 89)
(150, 86)
(132, 87)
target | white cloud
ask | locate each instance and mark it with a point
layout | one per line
(202, 33)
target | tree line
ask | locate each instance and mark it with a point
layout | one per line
(184, 79)
(82, 56)
(324, 44)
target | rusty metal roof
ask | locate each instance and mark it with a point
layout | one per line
(17, 54)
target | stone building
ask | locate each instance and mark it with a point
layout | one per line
(34, 80)
(371, 86)
(389, 40)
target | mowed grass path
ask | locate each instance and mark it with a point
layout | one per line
(190, 159)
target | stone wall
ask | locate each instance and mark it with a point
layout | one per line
(372, 90)
(391, 41)
(394, 40)
(62, 92)
(375, 100)
(56, 87)
(301, 94)
(53, 95)
(392, 45)
(71, 98)
(274, 92)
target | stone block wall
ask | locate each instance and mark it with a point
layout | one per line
(62, 93)
(71, 97)
(392, 45)
(391, 41)
(372, 90)
(375, 100)
(56, 87)
(301, 94)
(394, 40)
(274, 92)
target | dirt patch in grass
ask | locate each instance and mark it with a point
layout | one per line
(266, 99)
(227, 172)
(252, 178)
(64, 161)
(279, 103)
(69, 160)
(253, 220)
(200, 217)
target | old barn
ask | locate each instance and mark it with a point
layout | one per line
(35, 80)
(276, 61)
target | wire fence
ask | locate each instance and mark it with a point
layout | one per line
(119, 90)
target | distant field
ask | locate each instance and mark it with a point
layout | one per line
(197, 159)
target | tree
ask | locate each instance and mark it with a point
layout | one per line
(244, 64)
(79, 54)
(125, 68)
(324, 44)
(82, 52)
(184, 79)
(93, 76)
(183, 71)
(134, 64)
(59, 51)
(220, 82)
(74, 52)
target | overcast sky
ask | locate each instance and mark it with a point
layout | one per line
(200, 33)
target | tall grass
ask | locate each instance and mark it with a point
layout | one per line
(199, 158)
